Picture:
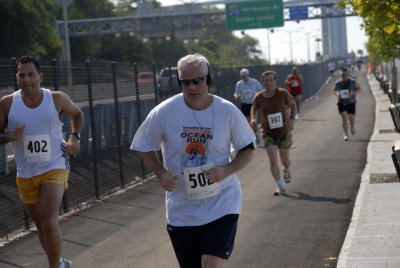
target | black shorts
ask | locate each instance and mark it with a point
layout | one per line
(246, 108)
(215, 238)
(350, 108)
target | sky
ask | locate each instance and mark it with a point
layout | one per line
(303, 35)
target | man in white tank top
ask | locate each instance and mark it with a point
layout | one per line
(29, 119)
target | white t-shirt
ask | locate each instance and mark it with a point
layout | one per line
(190, 138)
(247, 90)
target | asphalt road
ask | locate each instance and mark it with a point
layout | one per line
(304, 228)
(307, 226)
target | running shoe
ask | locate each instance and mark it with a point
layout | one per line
(345, 138)
(65, 263)
(297, 117)
(279, 191)
(286, 175)
(353, 131)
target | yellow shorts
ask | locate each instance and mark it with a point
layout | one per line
(285, 142)
(29, 189)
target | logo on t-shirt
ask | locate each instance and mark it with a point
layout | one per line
(195, 141)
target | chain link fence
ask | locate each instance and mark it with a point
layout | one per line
(114, 102)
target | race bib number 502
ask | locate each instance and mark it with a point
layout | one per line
(198, 186)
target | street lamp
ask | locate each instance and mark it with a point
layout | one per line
(317, 40)
(269, 48)
(308, 43)
(290, 39)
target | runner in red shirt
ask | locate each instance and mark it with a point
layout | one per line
(294, 82)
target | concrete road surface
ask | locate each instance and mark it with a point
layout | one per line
(304, 228)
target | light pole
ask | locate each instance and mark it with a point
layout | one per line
(308, 43)
(269, 48)
(67, 50)
(290, 40)
(317, 40)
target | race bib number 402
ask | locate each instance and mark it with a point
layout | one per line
(37, 148)
(198, 186)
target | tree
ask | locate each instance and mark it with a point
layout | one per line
(382, 25)
(222, 48)
(166, 52)
(27, 27)
(83, 47)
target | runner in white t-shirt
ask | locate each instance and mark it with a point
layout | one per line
(198, 133)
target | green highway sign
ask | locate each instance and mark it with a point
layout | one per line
(254, 14)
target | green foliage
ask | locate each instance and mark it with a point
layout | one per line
(27, 27)
(34, 33)
(222, 48)
(382, 25)
(166, 52)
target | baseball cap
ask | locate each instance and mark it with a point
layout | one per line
(244, 72)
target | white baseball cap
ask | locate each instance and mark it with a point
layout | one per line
(244, 72)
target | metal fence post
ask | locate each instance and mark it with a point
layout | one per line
(138, 111)
(156, 89)
(55, 74)
(118, 125)
(14, 72)
(93, 130)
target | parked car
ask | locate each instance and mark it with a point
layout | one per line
(145, 78)
(168, 81)
(146, 82)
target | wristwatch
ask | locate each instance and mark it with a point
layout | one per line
(76, 134)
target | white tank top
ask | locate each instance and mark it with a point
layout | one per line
(42, 147)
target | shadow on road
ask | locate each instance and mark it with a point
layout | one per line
(307, 197)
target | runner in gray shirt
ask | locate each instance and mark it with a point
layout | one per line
(245, 90)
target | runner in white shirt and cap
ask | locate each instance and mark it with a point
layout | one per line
(245, 90)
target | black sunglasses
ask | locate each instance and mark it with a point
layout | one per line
(195, 81)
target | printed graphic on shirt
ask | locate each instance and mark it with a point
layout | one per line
(195, 141)
(194, 163)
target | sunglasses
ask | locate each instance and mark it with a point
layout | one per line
(194, 81)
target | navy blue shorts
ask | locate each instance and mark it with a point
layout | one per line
(246, 108)
(215, 238)
(350, 108)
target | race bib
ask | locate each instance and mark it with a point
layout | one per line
(37, 148)
(344, 93)
(295, 83)
(275, 120)
(247, 93)
(197, 184)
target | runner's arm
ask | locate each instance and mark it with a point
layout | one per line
(253, 113)
(17, 133)
(243, 157)
(167, 179)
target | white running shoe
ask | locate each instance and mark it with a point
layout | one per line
(65, 263)
(279, 191)
(286, 175)
(297, 117)
(345, 138)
